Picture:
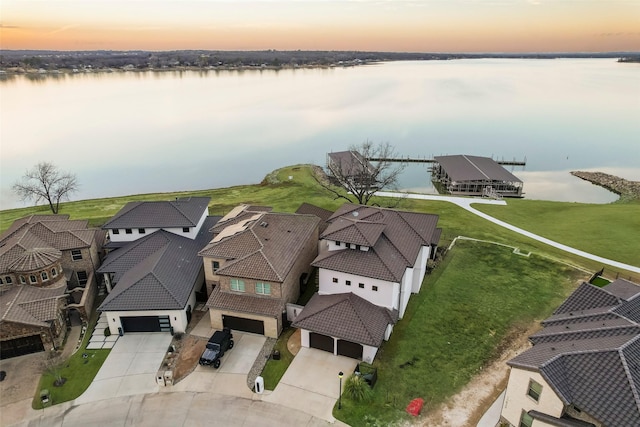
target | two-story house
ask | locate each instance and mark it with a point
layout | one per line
(47, 266)
(254, 266)
(153, 272)
(583, 369)
(372, 260)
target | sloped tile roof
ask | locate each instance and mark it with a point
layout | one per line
(183, 212)
(238, 214)
(589, 352)
(244, 303)
(156, 272)
(31, 305)
(346, 316)
(34, 259)
(394, 239)
(323, 214)
(266, 249)
(622, 288)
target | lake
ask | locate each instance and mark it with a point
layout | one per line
(139, 132)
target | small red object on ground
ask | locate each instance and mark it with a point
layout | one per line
(415, 406)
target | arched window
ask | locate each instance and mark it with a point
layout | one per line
(54, 272)
(44, 275)
(22, 280)
(33, 279)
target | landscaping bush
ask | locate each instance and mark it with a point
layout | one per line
(357, 389)
(107, 332)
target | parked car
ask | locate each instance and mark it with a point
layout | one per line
(218, 344)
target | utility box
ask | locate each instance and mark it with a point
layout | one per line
(168, 377)
(259, 388)
(160, 379)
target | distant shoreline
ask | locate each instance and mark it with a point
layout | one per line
(627, 190)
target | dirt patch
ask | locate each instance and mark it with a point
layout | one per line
(467, 407)
(189, 349)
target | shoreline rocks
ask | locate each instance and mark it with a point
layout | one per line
(627, 190)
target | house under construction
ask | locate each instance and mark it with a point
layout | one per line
(474, 176)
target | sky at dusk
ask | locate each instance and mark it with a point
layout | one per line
(366, 25)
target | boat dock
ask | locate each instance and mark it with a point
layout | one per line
(513, 162)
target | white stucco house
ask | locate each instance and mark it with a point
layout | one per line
(153, 271)
(372, 259)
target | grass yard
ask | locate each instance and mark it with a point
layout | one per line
(275, 369)
(466, 308)
(78, 371)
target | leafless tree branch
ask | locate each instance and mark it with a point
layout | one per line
(46, 183)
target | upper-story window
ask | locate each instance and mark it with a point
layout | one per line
(141, 230)
(185, 229)
(374, 288)
(76, 254)
(54, 272)
(347, 282)
(335, 280)
(263, 288)
(33, 279)
(215, 265)
(115, 231)
(361, 285)
(44, 276)
(8, 280)
(1, 281)
(237, 285)
(22, 280)
(338, 243)
(534, 390)
(358, 247)
(82, 278)
(128, 231)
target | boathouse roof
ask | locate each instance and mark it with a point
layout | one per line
(462, 167)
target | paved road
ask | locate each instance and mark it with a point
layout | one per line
(466, 203)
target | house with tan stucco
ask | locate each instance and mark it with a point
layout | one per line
(256, 263)
(583, 369)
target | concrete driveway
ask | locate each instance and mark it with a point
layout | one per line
(130, 368)
(231, 377)
(311, 383)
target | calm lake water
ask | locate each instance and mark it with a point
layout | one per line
(128, 133)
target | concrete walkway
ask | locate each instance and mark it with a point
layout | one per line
(465, 203)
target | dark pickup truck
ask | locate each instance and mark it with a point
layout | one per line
(218, 344)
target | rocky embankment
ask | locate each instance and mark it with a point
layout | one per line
(628, 190)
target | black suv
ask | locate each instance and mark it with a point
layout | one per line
(219, 342)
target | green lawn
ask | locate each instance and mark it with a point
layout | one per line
(275, 369)
(78, 371)
(453, 327)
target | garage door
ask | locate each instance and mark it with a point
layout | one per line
(145, 324)
(20, 346)
(321, 342)
(350, 349)
(242, 324)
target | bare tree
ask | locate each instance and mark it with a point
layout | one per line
(46, 182)
(362, 171)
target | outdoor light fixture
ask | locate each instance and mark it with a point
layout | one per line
(340, 374)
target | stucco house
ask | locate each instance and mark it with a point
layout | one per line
(584, 366)
(47, 266)
(379, 255)
(154, 274)
(255, 264)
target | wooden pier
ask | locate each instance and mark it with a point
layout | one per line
(514, 162)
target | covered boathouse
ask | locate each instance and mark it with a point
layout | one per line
(474, 176)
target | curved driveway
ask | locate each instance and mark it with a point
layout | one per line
(465, 203)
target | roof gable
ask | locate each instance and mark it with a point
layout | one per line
(184, 212)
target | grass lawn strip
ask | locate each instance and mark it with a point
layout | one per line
(453, 327)
(78, 371)
(275, 369)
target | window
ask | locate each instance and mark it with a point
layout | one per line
(237, 285)
(82, 278)
(115, 231)
(263, 288)
(534, 390)
(185, 229)
(335, 280)
(22, 280)
(374, 288)
(33, 279)
(54, 272)
(215, 266)
(526, 420)
(361, 285)
(128, 230)
(141, 230)
(76, 254)
(348, 283)
(8, 280)
(1, 282)
(358, 247)
(44, 275)
(338, 243)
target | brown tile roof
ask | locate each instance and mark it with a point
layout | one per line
(182, 212)
(346, 316)
(589, 353)
(323, 214)
(34, 259)
(244, 303)
(266, 249)
(31, 305)
(394, 238)
(623, 289)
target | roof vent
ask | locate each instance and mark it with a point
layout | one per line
(264, 224)
(354, 213)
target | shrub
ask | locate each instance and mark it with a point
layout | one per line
(107, 331)
(357, 389)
